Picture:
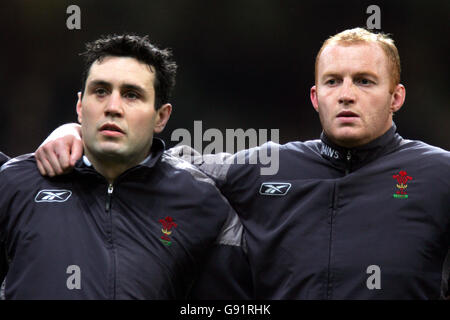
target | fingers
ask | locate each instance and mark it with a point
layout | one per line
(51, 161)
(42, 163)
(76, 152)
(60, 158)
(59, 152)
(54, 158)
(48, 168)
(40, 166)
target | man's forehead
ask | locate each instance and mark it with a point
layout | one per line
(355, 55)
(121, 69)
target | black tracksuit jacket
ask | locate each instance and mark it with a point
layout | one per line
(371, 222)
(147, 236)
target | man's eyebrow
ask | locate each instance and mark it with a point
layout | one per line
(126, 86)
(366, 74)
(331, 74)
(134, 87)
(99, 83)
(358, 74)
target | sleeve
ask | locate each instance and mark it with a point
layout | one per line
(3, 158)
(3, 263)
(445, 287)
(214, 165)
(226, 273)
(9, 188)
(3, 213)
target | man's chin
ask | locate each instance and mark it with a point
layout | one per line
(348, 137)
(108, 153)
(111, 153)
(109, 147)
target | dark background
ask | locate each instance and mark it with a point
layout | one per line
(242, 64)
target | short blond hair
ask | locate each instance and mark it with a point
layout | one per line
(358, 35)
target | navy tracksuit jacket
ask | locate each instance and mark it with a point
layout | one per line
(371, 222)
(147, 236)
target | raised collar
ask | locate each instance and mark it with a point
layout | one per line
(156, 151)
(351, 159)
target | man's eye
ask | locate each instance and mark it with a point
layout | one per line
(100, 92)
(364, 82)
(131, 95)
(331, 82)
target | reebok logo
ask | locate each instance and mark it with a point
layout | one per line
(274, 188)
(53, 196)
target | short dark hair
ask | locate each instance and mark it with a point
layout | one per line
(140, 48)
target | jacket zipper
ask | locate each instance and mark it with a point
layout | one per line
(109, 197)
(108, 211)
(329, 289)
(334, 204)
(349, 158)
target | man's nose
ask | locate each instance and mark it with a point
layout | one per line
(347, 93)
(114, 105)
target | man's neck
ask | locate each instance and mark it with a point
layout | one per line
(350, 144)
(111, 168)
(380, 140)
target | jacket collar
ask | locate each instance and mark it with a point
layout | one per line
(156, 152)
(354, 158)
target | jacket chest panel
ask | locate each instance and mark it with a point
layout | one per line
(341, 228)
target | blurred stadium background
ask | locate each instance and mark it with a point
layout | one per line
(242, 64)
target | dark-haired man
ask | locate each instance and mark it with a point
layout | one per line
(131, 221)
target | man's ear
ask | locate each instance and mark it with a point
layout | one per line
(398, 97)
(79, 108)
(313, 97)
(162, 116)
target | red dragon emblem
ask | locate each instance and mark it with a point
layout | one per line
(402, 183)
(167, 225)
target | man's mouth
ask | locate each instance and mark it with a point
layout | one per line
(111, 129)
(347, 114)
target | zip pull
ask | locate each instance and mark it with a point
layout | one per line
(108, 199)
(349, 158)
